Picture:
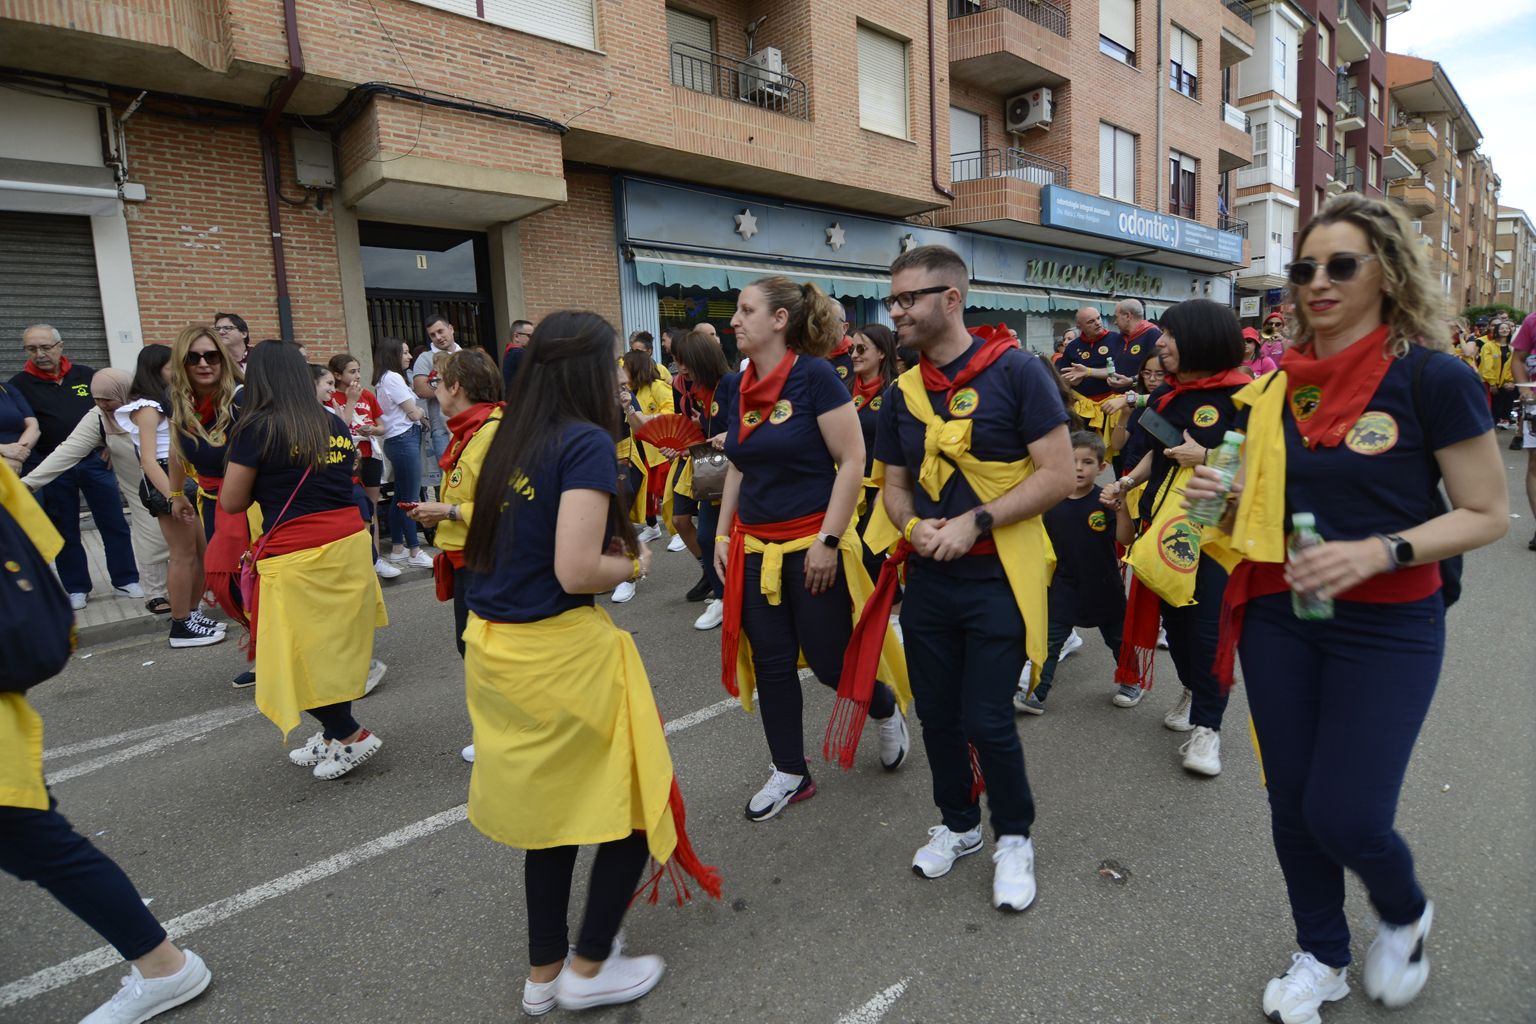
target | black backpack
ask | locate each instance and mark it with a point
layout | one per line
(37, 626)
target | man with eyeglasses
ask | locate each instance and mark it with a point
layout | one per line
(235, 336)
(976, 572)
(59, 392)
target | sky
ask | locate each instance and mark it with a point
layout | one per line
(1488, 49)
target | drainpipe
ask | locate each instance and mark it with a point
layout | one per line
(1158, 158)
(271, 168)
(933, 108)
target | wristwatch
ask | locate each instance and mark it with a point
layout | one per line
(983, 520)
(831, 540)
(1400, 551)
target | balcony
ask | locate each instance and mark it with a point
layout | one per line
(1419, 198)
(1353, 40)
(1418, 139)
(1237, 35)
(714, 74)
(999, 190)
(1234, 146)
(1232, 224)
(1008, 46)
(1007, 163)
(1397, 165)
(1398, 6)
(1349, 109)
(1346, 178)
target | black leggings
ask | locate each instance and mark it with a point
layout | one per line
(336, 720)
(547, 879)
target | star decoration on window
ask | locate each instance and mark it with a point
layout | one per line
(908, 243)
(746, 225)
(835, 236)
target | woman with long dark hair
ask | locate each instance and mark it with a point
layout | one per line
(569, 748)
(1200, 350)
(797, 458)
(702, 363)
(318, 602)
(643, 394)
(873, 351)
(401, 418)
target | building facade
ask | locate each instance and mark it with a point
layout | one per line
(335, 172)
(1515, 251)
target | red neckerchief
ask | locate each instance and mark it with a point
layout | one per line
(759, 396)
(206, 409)
(1341, 387)
(463, 427)
(1233, 378)
(842, 348)
(864, 393)
(702, 397)
(990, 352)
(64, 366)
(1146, 325)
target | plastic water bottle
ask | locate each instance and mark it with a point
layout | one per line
(1224, 460)
(1304, 535)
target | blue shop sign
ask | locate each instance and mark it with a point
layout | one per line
(1095, 215)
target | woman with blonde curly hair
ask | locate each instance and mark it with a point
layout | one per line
(1341, 645)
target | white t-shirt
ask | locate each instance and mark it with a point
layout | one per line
(392, 391)
(423, 368)
(124, 417)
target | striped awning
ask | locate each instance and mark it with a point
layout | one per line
(731, 273)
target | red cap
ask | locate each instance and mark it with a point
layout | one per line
(1249, 334)
(1274, 315)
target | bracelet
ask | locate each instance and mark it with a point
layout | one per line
(719, 538)
(906, 531)
(635, 575)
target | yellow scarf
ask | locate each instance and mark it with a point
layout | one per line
(1258, 530)
(1096, 419)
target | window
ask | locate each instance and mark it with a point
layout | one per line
(965, 156)
(1117, 163)
(1325, 43)
(1183, 62)
(1376, 30)
(1181, 184)
(690, 40)
(1506, 284)
(1282, 65)
(1324, 137)
(1285, 153)
(882, 83)
(565, 21)
(1117, 30)
(1261, 145)
(1375, 100)
(1373, 169)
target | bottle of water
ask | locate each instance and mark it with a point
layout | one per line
(1224, 460)
(1304, 535)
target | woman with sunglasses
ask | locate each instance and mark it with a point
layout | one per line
(1358, 427)
(874, 367)
(797, 457)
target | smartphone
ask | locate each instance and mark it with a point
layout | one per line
(1154, 424)
(406, 506)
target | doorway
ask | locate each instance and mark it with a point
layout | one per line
(410, 273)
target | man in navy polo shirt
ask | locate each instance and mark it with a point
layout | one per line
(1138, 336)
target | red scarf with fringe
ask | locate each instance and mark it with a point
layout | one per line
(221, 561)
(991, 350)
(463, 427)
(759, 396)
(1233, 378)
(864, 393)
(52, 378)
(684, 861)
(1138, 644)
(735, 582)
(1342, 385)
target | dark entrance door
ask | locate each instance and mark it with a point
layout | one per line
(412, 272)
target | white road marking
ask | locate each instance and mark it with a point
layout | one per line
(870, 1012)
(200, 722)
(149, 746)
(104, 957)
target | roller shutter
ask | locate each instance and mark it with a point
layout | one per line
(48, 275)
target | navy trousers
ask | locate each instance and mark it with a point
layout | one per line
(1192, 635)
(93, 480)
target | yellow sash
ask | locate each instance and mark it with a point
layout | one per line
(21, 728)
(1258, 529)
(1094, 418)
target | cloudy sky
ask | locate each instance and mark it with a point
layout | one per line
(1488, 48)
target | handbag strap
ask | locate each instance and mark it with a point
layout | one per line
(261, 544)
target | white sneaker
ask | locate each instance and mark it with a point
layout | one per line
(77, 601)
(1395, 965)
(1069, 646)
(895, 741)
(397, 556)
(1013, 873)
(132, 590)
(1178, 718)
(1162, 638)
(648, 534)
(934, 858)
(140, 998)
(781, 790)
(376, 670)
(621, 979)
(676, 543)
(384, 570)
(624, 592)
(1202, 752)
(420, 560)
(714, 614)
(468, 753)
(341, 758)
(312, 752)
(539, 996)
(1295, 996)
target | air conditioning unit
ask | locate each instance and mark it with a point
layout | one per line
(761, 76)
(1030, 110)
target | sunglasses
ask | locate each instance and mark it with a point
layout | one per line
(859, 350)
(906, 299)
(193, 358)
(1342, 267)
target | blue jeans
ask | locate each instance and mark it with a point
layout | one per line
(94, 480)
(708, 518)
(404, 451)
(1337, 706)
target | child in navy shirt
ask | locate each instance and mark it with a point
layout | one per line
(1086, 589)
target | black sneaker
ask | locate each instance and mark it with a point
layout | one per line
(1028, 703)
(191, 633)
(243, 680)
(700, 591)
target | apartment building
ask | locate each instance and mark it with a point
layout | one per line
(1515, 253)
(1479, 230)
(336, 170)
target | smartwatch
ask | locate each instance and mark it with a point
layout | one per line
(1400, 550)
(831, 540)
(983, 520)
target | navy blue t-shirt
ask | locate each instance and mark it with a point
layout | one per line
(1207, 414)
(1086, 589)
(1011, 404)
(1096, 355)
(1134, 352)
(843, 364)
(206, 458)
(1382, 477)
(1137, 442)
(523, 587)
(869, 420)
(786, 470)
(327, 487)
(14, 411)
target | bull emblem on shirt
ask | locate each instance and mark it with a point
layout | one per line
(782, 411)
(964, 402)
(1179, 544)
(1098, 522)
(1304, 402)
(1372, 434)
(751, 418)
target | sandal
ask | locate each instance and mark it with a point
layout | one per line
(158, 605)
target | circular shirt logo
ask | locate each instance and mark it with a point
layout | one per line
(1372, 434)
(751, 418)
(12, 566)
(1135, 350)
(1304, 402)
(458, 475)
(714, 408)
(876, 402)
(1103, 350)
(1098, 522)
(964, 402)
(216, 437)
(842, 371)
(782, 411)
(1206, 415)
(1178, 543)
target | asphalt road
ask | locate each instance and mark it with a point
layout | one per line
(370, 899)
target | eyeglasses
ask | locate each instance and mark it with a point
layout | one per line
(37, 350)
(227, 329)
(906, 299)
(1340, 267)
(859, 350)
(212, 358)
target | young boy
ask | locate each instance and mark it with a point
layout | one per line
(1086, 590)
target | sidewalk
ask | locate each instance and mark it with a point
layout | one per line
(110, 616)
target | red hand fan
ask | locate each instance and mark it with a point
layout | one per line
(671, 430)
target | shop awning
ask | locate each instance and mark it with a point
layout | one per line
(34, 186)
(730, 273)
(1002, 296)
(1071, 302)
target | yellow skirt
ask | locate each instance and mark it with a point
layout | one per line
(569, 746)
(21, 754)
(314, 635)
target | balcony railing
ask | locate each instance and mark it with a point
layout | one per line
(1241, 9)
(1351, 105)
(1041, 12)
(705, 71)
(1353, 14)
(1227, 222)
(1236, 118)
(1007, 163)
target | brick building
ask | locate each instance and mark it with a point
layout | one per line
(1515, 252)
(335, 170)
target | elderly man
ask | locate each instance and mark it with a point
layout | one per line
(60, 395)
(1138, 336)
